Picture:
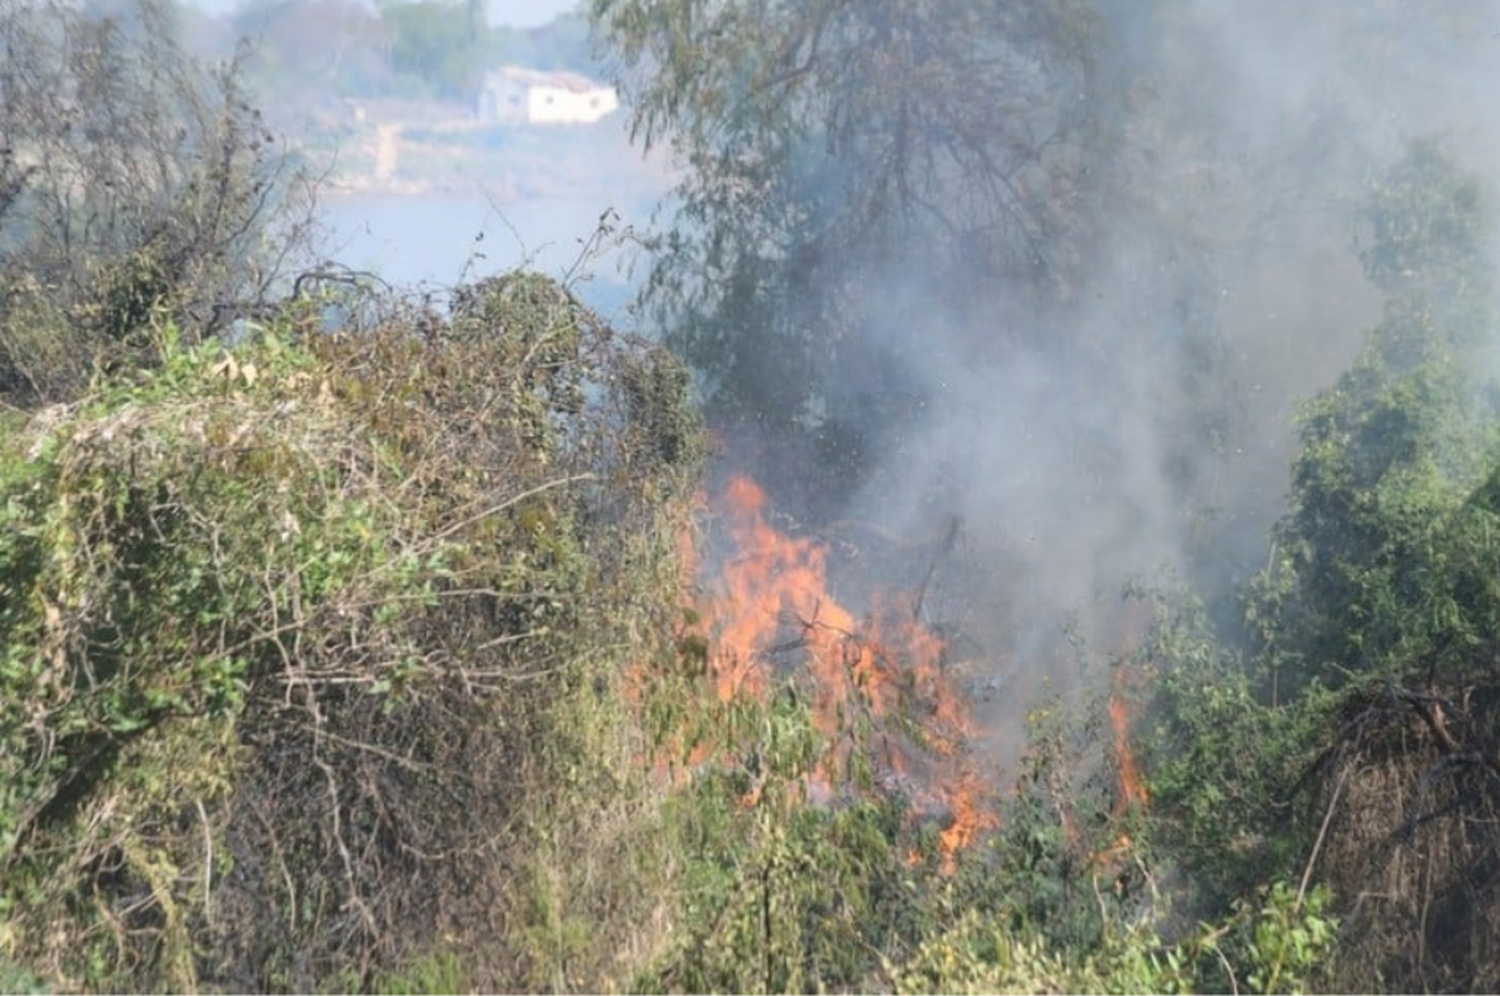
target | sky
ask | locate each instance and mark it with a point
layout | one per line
(506, 13)
(527, 13)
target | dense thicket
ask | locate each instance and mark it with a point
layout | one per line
(352, 659)
(315, 650)
(1353, 737)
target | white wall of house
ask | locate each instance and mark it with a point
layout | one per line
(547, 104)
(513, 94)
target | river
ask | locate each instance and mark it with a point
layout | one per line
(433, 241)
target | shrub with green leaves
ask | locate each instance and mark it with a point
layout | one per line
(134, 180)
(312, 649)
(1359, 578)
(1352, 742)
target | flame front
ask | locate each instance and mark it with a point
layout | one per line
(774, 608)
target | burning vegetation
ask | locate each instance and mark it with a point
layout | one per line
(878, 689)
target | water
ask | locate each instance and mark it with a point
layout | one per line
(434, 241)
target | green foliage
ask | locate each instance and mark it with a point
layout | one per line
(14, 979)
(1372, 643)
(308, 50)
(440, 43)
(1219, 758)
(1291, 941)
(778, 894)
(560, 45)
(315, 625)
(134, 183)
(1280, 945)
(441, 973)
(979, 955)
(1429, 225)
(1041, 875)
(1362, 576)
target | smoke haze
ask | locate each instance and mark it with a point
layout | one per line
(1145, 427)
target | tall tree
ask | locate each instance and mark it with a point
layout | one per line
(836, 148)
(439, 43)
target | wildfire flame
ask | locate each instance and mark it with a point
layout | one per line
(769, 609)
(1132, 786)
(774, 606)
(1112, 859)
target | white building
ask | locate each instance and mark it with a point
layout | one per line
(515, 95)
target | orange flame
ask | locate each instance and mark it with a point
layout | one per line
(774, 606)
(1132, 785)
(969, 819)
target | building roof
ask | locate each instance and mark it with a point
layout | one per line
(536, 77)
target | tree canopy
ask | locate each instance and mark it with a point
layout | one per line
(834, 145)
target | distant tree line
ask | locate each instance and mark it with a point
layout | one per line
(427, 48)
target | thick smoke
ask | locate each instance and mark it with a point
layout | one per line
(1145, 427)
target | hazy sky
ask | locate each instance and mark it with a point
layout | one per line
(514, 13)
(527, 13)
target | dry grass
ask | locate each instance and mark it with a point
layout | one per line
(1412, 848)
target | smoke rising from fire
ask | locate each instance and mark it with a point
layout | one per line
(1145, 424)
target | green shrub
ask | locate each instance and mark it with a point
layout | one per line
(307, 644)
